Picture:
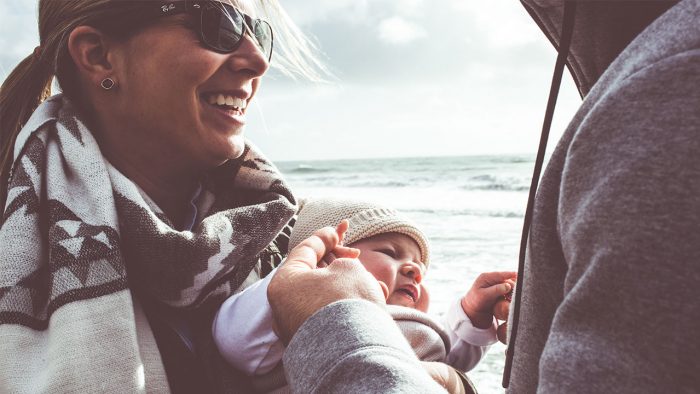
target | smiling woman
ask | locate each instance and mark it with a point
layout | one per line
(133, 204)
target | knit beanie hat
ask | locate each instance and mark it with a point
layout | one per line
(366, 220)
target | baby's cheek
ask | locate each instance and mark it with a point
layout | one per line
(424, 300)
(383, 274)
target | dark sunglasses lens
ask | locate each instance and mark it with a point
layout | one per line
(263, 33)
(222, 27)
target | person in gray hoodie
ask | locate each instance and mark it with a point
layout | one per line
(607, 296)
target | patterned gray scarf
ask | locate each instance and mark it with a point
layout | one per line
(74, 226)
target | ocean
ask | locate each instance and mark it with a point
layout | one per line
(471, 208)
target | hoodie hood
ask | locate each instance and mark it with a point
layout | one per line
(602, 29)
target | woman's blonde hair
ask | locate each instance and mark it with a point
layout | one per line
(30, 82)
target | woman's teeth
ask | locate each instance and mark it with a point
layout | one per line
(226, 101)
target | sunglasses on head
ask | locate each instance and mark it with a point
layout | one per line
(221, 26)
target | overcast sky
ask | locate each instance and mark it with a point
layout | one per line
(414, 78)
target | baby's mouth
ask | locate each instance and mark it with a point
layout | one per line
(226, 102)
(410, 293)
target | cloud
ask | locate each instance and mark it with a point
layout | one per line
(499, 24)
(306, 13)
(397, 30)
(394, 41)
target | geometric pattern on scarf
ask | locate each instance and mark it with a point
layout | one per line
(85, 260)
(73, 226)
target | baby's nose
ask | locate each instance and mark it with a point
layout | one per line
(412, 271)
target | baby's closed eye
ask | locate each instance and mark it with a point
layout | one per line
(389, 252)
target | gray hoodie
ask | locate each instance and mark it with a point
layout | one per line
(610, 295)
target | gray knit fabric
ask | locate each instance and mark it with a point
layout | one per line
(610, 295)
(354, 347)
(427, 337)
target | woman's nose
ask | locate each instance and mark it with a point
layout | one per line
(249, 57)
(413, 271)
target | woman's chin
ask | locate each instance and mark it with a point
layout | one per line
(236, 145)
(219, 153)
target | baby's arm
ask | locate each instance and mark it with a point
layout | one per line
(469, 343)
(242, 330)
(470, 321)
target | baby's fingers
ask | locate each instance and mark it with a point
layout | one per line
(345, 252)
(311, 250)
(502, 333)
(500, 310)
(340, 252)
(495, 292)
(341, 229)
(488, 279)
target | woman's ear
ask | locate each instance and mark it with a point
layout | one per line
(90, 51)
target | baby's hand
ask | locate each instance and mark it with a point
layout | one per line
(339, 251)
(324, 246)
(487, 290)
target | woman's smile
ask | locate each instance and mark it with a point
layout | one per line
(227, 108)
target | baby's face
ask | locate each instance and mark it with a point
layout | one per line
(394, 259)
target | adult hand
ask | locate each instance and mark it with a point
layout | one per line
(299, 288)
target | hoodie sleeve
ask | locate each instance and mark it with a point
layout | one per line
(353, 346)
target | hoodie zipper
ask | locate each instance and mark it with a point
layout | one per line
(567, 33)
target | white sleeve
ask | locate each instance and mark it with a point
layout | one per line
(469, 344)
(242, 330)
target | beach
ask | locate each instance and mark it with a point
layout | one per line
(471, 209)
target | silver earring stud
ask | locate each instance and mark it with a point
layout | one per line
(107, 83)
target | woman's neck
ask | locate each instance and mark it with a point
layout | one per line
(171, 191)
(170, 183)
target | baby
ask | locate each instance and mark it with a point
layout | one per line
(396, 253)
